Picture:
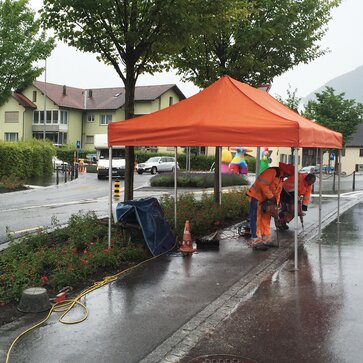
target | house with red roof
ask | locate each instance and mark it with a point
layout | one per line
(73, 114)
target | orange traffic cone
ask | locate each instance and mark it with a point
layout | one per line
(187, 243)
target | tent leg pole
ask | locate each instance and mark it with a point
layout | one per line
(296, 159)
(339, 172)
(109, 196)
(220, 175)
(258, 155)
(320, 187)
(175, 188)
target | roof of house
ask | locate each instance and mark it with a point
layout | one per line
(357, 139)
(24, 101)
(100, 98)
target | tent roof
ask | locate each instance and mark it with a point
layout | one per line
(227, 113)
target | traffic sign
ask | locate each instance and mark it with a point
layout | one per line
(78, 144)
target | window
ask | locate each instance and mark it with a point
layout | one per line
(171, 101)
(55, 117)
(105, 119)
(90, 118)
(63, 117)
(52, 117)
(11, 116)
(34, 96)
(49, 117)
(11, 136)
(360, 152)
(90, 139)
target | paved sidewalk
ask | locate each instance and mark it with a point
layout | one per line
(169, 309)
(312, 315)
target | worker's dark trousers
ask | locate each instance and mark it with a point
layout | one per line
(253, 216)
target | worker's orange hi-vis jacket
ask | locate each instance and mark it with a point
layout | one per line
(267, 185)
(304, 189)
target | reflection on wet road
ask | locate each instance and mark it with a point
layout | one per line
(311, 315)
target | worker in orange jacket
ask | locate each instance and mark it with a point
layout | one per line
(267, 187)
(305, 186)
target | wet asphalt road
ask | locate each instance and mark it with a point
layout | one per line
(312, 315)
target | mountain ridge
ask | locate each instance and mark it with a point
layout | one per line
(349, 83)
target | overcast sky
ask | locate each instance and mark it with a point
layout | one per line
(69, 66)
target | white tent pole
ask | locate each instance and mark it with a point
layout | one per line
(296, 159)
(258, 155)
(109, 196)
(175, 187)
(320, 187)
(220, 174)
(339, 172)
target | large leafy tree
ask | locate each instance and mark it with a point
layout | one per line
(335, 112)
(274, 36)
(134, 36)
(22, 44)
(271, 38)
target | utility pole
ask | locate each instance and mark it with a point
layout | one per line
(45, 99)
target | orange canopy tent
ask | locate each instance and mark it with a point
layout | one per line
(227, 113)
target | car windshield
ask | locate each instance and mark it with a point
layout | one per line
(153, 160)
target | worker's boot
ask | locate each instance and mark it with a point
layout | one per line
(257, 244)
(267, 241)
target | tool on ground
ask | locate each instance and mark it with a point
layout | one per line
(208, 243)
(244, 229)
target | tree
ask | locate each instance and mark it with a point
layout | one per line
(254, 42)
(292, 101)
(271, 38)
(22, 43)
(337, 113)
(134, 36)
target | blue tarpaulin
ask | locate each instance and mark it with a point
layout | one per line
(148, 214)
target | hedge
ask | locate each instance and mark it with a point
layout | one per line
(26, 159)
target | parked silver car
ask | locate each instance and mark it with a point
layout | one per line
(310, 169)
(157, 164)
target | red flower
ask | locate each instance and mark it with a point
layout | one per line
(106, 250)
(217, 223)
(91, 255)
(84, 252)
(45, 279)
(85, 262)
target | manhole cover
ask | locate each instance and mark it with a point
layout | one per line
(221, 358)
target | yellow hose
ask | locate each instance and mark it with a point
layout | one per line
(67, 305)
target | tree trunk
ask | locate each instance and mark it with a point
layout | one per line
(130, 84)
(216, 176)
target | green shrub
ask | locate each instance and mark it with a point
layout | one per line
(196, 180)
(68, 256)
(26, 159)
(79, 253)
(11, 183)
(204, 214)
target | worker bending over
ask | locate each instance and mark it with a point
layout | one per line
(265, 190)
(305, 186)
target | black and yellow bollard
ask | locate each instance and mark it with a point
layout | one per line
(116, 191)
